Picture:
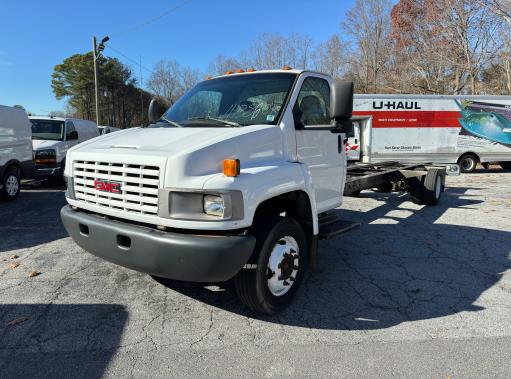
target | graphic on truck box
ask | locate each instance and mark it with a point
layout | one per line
(485, 120)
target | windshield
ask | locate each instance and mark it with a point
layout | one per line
(238, 100)
(51, 130)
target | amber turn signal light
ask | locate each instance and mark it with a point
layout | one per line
(231, 167)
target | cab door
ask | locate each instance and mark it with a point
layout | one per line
(353, 143)
(317, 147)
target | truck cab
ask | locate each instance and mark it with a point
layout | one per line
(228, 184)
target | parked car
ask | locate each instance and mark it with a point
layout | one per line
(52, 137)
(15, 151)
(107, 129)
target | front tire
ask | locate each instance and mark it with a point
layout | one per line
(11, 185)
(268, 283)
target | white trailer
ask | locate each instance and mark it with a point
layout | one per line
(429, 128)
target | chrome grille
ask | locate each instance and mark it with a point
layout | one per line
(139, 186)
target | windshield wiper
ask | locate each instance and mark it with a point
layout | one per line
(209, 118)
(171, 122)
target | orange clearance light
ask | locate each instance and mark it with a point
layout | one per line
(287, 68)
(231, 167)
(251, 70)
(239, 71)
(229, 72)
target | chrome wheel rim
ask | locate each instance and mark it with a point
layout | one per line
(467, 164)
(283, 266)
(12, 185)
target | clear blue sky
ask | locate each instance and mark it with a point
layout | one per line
(36, 35)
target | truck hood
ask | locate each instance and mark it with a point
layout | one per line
(159, 139)
(186, 154)
(39, 144)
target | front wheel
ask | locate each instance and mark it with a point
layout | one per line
(10, 185)
(269, 281)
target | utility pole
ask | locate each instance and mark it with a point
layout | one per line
(96, 51)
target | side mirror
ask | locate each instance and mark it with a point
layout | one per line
(73, 135)
(341, 105)
(154, 112)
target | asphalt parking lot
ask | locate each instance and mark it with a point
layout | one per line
(414, 292)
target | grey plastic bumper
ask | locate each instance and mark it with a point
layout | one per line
(187, 257)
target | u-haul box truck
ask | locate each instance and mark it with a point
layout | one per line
(439, 129)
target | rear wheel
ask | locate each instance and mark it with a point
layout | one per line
(433, 187)
(11, 185)
(468, 163)
(426, 189)
(269, 281)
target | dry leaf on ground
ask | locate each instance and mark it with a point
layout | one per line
(14, 256)
(31, 274)
(14, 265)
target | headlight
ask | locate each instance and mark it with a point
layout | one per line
(214, 205)
(45, 156)
(197, 205)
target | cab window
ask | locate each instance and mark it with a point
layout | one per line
(313, 104)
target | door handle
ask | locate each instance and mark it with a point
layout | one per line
(356, 140)
(340, 144)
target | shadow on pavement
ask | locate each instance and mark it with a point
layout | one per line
(32, 219)
(401, 265)
(59, 340)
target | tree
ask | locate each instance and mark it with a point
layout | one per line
(330, 57)
(367, 25)
(169, 81)
(221, 64)
(274, 51)
(121, 103)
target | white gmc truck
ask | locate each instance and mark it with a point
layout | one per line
(237, 181)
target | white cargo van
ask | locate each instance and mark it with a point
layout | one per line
(15, 150)
(52, 137)
(440, 129)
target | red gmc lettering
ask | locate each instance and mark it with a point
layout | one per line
(107, 187)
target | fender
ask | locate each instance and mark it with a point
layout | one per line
(10, 163)
(262, 183)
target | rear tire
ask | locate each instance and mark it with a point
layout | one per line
(11, 184)
(426, 190)
(468, 163)
(433, 187)
(270, 280)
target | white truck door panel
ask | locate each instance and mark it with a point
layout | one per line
(321, 150)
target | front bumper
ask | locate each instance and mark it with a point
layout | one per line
(44, 171)
(190, 257)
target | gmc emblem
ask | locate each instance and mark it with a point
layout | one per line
(103, 186)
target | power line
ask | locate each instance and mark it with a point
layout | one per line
(128, 58)
(150, 21)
